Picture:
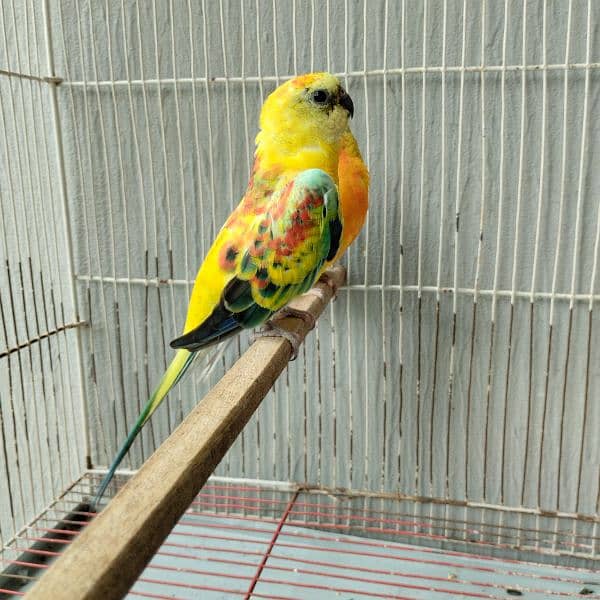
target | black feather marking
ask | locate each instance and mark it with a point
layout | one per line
(254, 316)
(231, 254)
(335, 235)
(220, 325)
(269, 291)
(236, 310)
(237, 295)
(262, 274)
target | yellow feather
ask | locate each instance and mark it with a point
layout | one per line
(210, 283)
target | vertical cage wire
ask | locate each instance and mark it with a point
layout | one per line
(469, 71)
(43, 445)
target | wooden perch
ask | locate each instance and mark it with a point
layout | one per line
(106, 559)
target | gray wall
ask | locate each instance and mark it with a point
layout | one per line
(42, 431)
(463, 358)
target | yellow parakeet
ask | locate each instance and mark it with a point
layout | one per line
(306, 201)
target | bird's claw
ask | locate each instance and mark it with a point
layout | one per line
(327, 280)
(269, 329)
(288, 311)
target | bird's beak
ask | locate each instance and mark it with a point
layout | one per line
(346, 102)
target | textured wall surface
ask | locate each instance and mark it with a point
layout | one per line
(42, 447)
(463, 358)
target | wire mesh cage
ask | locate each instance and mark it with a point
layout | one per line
(451, 386)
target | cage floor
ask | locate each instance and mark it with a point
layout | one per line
(273, 541)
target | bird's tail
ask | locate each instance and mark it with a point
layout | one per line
(175, 371)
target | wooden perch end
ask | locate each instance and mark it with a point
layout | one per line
(106, 559)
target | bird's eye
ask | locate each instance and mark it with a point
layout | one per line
(320, 96)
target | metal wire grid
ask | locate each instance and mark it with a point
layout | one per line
(477, 315)
(40, 379)
(481, 242)
(281, 541)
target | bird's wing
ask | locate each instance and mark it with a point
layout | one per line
(278, 255)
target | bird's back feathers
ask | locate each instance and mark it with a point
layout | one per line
(270, 258)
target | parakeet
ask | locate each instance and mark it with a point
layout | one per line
(305, 203)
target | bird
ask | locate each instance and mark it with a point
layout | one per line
(306, 201)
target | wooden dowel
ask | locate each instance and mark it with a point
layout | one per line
(106, 559)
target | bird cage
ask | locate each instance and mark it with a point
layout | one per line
(437, 435)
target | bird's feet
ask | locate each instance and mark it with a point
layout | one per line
(288, 311)
(271, 329)
(319, 293)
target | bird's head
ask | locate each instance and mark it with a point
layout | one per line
(307, 110)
